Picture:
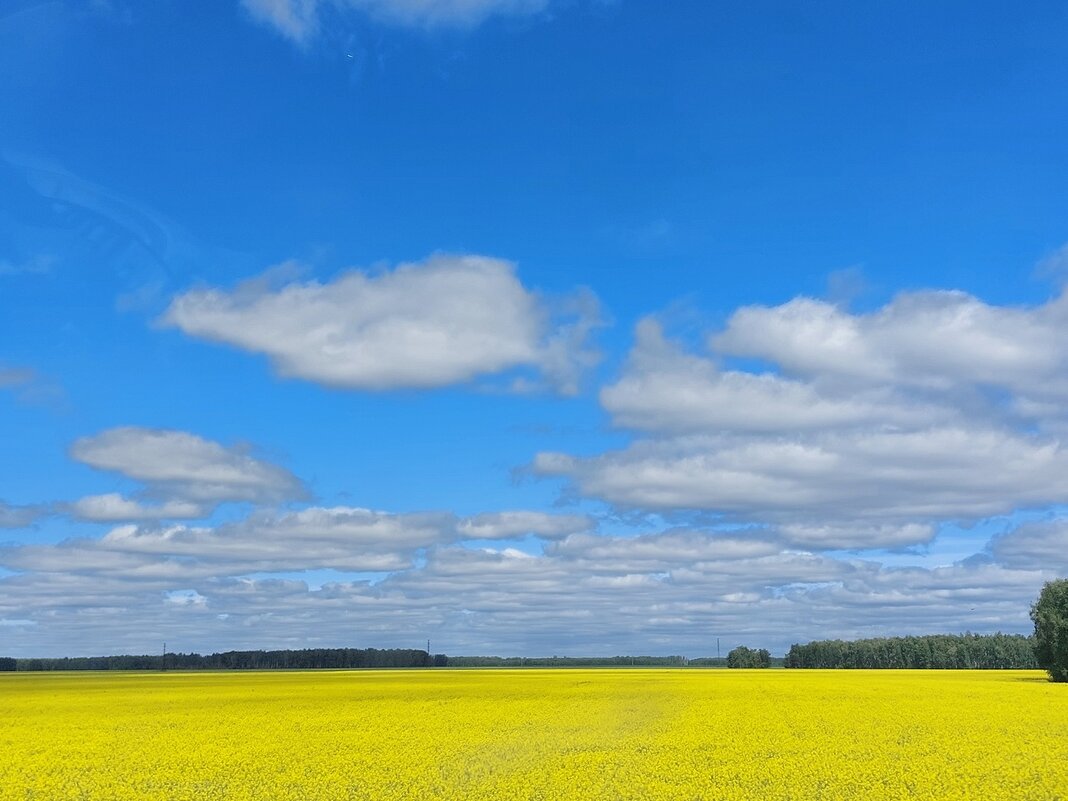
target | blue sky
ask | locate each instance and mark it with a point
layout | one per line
(529, 326)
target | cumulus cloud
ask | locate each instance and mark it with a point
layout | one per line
(938, 339)
(443, 321)
(184, 472)
(665, 389)
(299, 20)
(863, 430)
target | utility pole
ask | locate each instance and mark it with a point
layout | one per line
(717, 647)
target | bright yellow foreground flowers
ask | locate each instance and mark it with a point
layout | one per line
(533, 734)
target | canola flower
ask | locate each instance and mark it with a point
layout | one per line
(533, 735)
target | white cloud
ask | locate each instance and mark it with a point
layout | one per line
(343, 538)
(339, 538)
(300, 20)
(817, 453)
(941, 340)
(181, 470)
(665, 550)
(869, 477)
(665, 389)
(863, 430)
(297, 20)
(509, 525)
(856, 535)
(112, 506)
(447, 320)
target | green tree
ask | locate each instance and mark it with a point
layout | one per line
(742, 657)
(1050, 616)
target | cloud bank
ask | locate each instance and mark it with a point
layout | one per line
(341, 538)
(666, 591)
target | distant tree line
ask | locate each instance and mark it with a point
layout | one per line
(936, 651)
(240, 660)
(330, 658)
(950, 651)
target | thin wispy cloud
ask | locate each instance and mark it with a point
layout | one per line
(20, 516)
(31, 388)
(36, 265)
(301, 20)
(16, 376)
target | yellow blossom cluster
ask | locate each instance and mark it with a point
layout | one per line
(533, 735)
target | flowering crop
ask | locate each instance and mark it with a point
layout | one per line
(532, 734)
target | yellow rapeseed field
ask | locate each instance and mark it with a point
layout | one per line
(533, 734)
